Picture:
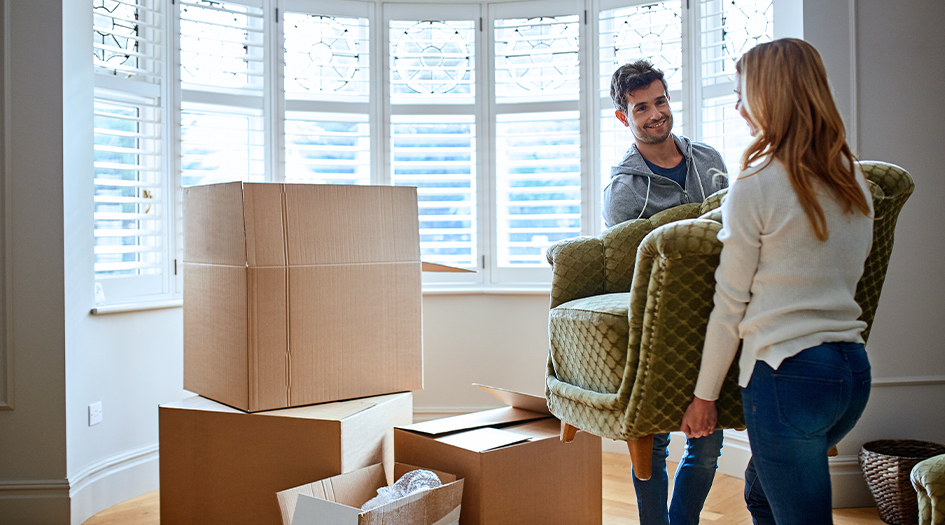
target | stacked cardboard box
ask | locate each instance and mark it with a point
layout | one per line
(300, 293)
(222, 465)
(302, 337)
(516, 469)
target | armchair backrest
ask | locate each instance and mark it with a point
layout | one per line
(895, 185)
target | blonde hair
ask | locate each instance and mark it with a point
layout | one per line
(784, 84)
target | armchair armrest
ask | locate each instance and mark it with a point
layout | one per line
(577, 267)
(668, 319)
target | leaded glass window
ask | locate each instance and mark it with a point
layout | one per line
(538, 146)
(326, 85)
(433, 138)
(130, 206)
(729, 29)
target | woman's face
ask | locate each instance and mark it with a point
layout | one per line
(742, 108)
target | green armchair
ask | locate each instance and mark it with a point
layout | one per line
(629, 311)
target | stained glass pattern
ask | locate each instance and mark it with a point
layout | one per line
(537, 59)
(729, 28)
(432, 61)
(221, 46)
(115, 42)
(653, 32)
(326, 56)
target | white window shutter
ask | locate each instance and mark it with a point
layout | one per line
(130, 201)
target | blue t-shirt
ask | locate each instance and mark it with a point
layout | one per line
(677, 174)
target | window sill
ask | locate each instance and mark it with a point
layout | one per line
(439, 290)
(136, 307)
(487, 290)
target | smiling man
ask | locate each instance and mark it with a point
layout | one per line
(661, 170)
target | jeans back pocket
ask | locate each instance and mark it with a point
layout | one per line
(808, 405)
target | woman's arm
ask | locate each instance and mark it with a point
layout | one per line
(741, 246)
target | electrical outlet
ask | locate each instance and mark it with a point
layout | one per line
(95, 413)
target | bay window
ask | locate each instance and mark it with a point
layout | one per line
(498, 112)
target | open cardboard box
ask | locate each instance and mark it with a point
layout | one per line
(222, 465)
(297, 294)
(515, 468)
(338, 501)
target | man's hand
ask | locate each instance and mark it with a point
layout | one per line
(700, 418)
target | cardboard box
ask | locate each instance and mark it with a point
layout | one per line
(300, 293)
(338, 501)
(222, 465)
(515, 468)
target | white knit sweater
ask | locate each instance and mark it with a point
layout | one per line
(778, 287)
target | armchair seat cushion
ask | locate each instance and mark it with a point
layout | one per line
(589, 341)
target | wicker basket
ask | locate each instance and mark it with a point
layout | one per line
(886, 465)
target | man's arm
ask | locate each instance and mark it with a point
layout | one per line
(621, 203)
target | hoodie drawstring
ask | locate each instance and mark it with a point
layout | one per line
(698, 176)
(647, 200)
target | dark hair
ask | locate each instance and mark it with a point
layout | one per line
(631, 77)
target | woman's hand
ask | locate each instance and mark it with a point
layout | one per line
(700, 418)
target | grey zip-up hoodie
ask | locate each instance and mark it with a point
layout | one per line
(635, 192)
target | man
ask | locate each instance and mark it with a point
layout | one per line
(662, 170)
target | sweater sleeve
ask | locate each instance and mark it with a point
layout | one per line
(741, 243)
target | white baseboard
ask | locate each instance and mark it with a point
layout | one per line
(113, 480)
(35, 501)
(849, 486)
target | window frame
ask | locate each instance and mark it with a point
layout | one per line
(489, 278)
(151, 82)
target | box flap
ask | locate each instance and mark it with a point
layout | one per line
(518, 399)
(264, 223)
(341, 224)
(434, 267)
(213, 224)
(483, 439)
(402, 468)
(481, 419)
(310, 510)
(350, 491)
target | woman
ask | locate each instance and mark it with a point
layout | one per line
(797, 227)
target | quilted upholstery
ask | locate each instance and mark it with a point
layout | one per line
(928, 478)
(629, 311)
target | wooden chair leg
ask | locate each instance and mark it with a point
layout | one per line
(833, 452)
(567, 432)
(641, 457)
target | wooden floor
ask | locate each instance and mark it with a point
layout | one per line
(724, 506)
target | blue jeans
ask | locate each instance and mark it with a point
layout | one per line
(690, 486)
(795, 414)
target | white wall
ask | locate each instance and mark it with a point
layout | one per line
(54, 468)
(65, 359)
(887, 76)
(32, 436)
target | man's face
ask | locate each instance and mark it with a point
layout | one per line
(648, 108)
